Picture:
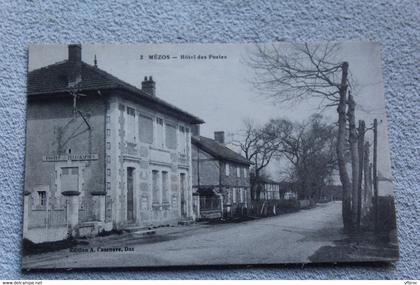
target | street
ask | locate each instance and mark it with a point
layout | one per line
(288, 238)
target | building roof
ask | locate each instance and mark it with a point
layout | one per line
(53, 79)
(267, 180)
(218, 150)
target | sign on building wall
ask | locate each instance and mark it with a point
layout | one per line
(72, 157)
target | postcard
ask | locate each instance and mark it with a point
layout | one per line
(151, 155)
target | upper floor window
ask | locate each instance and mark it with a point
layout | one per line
(245, 172)
(171, 140)
(238, 171)
(146, 129)
(159, 133)
(69, 179)
(131, 111)
(227, 169)
(182, 134)
(131, 125)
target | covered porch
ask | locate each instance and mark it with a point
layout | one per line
(210, 203)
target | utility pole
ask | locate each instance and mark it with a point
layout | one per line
(367, 191)
(375, 170)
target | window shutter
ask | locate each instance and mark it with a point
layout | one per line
(146, 129)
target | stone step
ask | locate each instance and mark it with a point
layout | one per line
(139, 230)
(185, 222)
(145, 232)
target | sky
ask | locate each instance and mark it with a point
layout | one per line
(217, 87)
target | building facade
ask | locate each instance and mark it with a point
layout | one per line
(220, 179)
(102, 154)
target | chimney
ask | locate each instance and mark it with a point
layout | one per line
(75, 62)
(219, 137)
(149, 86)
(195, 130)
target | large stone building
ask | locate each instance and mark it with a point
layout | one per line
(220, 178)
(102, 154)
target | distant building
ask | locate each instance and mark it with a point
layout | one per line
(269, 189)
(332, 193)
(220, 178)
(102, 154)
(273, 190)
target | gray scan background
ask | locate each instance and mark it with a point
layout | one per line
(392, 23)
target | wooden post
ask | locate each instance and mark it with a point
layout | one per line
(198, 168)
(360, 146)
(375, 170)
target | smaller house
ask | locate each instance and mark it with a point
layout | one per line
(268, 188)
(221, 185)
(288, 191)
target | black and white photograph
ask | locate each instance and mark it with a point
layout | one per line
(156, 155)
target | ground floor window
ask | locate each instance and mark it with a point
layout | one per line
(241, 193)
(42, 198)
(155, 186)
(233, 195)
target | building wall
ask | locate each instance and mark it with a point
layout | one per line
(208, 168)
(55, 140)
(234, 190)
(271, 191)
(127, 149)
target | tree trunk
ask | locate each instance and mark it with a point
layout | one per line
(370, 182)
(341, 147)
(257, 185)
(354, 153)
(360, 146)
(367, 182)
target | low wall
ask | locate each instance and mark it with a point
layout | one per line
(43, 234)
(265, 208)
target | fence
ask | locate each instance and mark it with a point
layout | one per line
(273, 207)
(209, 203)
(42, 218)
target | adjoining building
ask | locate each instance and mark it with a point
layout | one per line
(220, 178)
(102, 154)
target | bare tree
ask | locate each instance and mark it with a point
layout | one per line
(310, 150)
(307, 71)
(261, 144)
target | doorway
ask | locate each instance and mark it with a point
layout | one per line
(130, 194)
(183, 181)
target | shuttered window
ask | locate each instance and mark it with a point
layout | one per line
(182, 141)
(131, 125)
(159, 133)
(227, 169)
(171, 137)
(69, 179)
(165, 187)
(146, 129)
(155, 186)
